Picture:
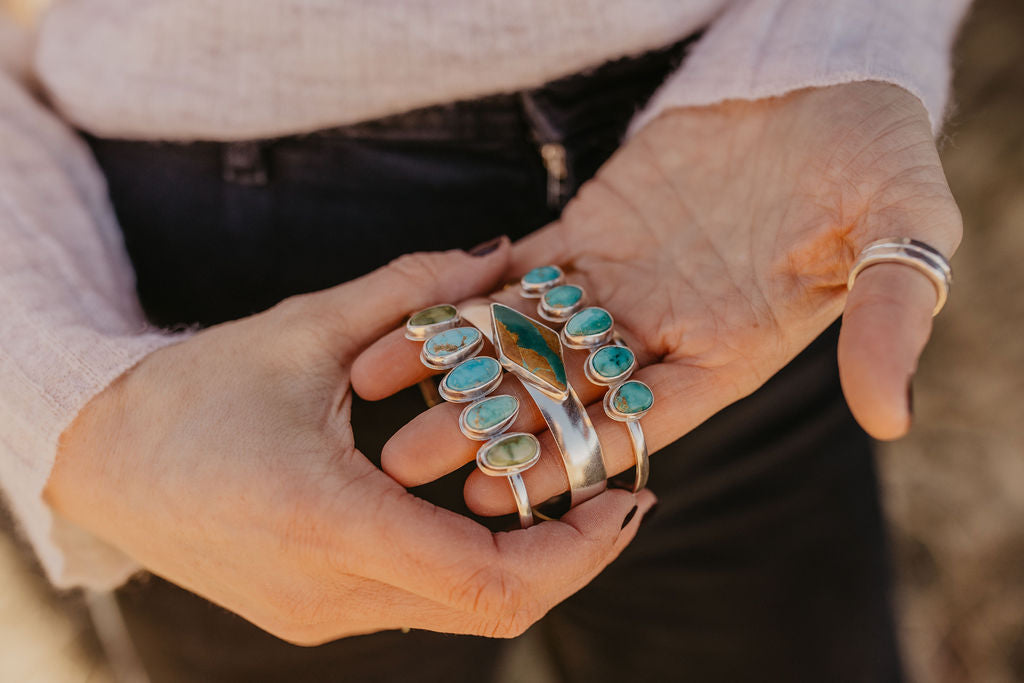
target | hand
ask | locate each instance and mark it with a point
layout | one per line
(226, 464)
(720, 238)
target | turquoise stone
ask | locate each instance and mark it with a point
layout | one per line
(612, 361)
(511, 450)
(450, 341)
(472, 374)
(433, 315)
(530, 345)
(541, 275)
(632, 397)
(563, 296)
(588, 322)
(490, 412)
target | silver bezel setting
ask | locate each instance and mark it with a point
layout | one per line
(520, 372)
(535, 290)
(510, 470)
(424, 332)
(457, 396)
(614, 414)
(493, 430)
(449, 360)
(561, 314)
(597, 378)
(587, 341)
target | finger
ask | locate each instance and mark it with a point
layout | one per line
(447, 558)
(367, 307)
(886, 324)
(545, 246)
(406, 459)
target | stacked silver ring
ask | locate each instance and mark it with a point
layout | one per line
(610, 362)
(448, 344)
(924, 258)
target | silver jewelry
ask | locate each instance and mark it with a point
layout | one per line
(509, 456)
(922, 257)
(558, 304)
(428, 322)
(628, 402)
(540, 280)
(449, 348)
(488, 417)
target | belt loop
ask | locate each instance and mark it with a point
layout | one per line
(244, 163)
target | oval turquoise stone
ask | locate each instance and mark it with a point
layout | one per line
(612, 361)
(632, 397)
(589, 321)
(490, 412)
(563, 296)
(432, 315)
(450, 341)
(512, 450)
(541, 275)
(473, 373)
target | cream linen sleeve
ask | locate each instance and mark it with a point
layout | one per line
(764, 48)
(69, 321)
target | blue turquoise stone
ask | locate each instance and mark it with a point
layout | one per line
(473, 374)
(490, 412)
(563, 296)
(588, 322)
(450, 341)
(632, 397)
(530, 345)
(541, 275)
(612, 361)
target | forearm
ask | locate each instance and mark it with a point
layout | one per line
(70, 320)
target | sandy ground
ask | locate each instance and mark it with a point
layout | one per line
(954, 489)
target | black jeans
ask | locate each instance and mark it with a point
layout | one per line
(766, 558)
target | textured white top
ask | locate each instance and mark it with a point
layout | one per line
(233, 69)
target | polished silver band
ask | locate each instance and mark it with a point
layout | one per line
(922, 257)
(522, 500)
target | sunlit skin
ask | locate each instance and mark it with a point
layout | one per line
(720, 239)
(226, 464)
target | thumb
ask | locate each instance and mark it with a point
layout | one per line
(367, 307)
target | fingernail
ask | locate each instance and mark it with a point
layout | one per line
(487, 247)
(629, 517)
(650, 513)
(910, 397)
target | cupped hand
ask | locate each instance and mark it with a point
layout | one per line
(720, 238)
(226, 464)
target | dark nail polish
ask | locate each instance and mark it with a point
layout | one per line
(649, 514)
(486, 248)
(910, 397)
(629, 517)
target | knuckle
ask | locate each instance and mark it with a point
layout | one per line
(417, 269)
(491, 592)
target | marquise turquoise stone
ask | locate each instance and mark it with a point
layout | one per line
(472, 374)
(612, 361)
(432, 315)
(632, 397)
(450, 341)
(512, 450)
(490, 412)
(530, 345)
(563, 296)
(541, 275)
(589, 321)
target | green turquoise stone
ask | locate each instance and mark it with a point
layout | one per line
(589, 321)
(612, 361)
(433, 315)
(512, 450)
(490, 412)
(530, 345)
(541, 275)
(450, 341)
(632, 397)
(563, 296)
(473, 374)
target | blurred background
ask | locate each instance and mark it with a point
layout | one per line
(954, 488)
